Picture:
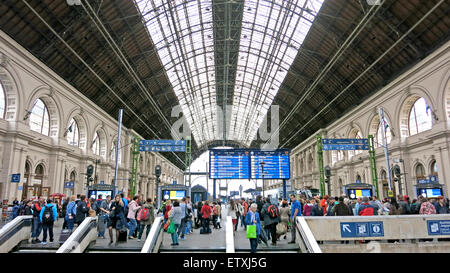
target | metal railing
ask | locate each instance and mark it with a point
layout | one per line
(154, 238)
(81, 237)
(307, 242)
(13, 232)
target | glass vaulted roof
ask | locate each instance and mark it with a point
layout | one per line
(272, 33)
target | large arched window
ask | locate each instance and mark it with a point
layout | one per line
(96, 144)
(39, 174)
(73, 133)
(39, 118)
(379, 136)
(2, 101)
(113, 153)
(420, 171)
(420, 117)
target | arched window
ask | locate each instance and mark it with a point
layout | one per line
(73, 176)
(113, 152)
(420, 117)
(379, 136)
(2, 101)
(39, 174)
(420, 171)
(358, 178)
(96, 144)
(73, 133)
(434, 168)
(39, 118)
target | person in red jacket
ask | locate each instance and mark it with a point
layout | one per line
(206, 213)
(324, 204)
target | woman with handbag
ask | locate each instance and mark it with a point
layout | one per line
(175, 222)
(253, 223)
(115, 217)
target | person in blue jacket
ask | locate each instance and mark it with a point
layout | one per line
(252, 218)
(48, 217)
(71, 212)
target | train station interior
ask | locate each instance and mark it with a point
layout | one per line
(224, 101)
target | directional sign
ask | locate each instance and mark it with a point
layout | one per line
(15, 178)
(362, 229)
(438, 227)
(69, 185)
(345, 141)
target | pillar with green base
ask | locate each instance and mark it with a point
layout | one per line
(321, 167)
(188, 158)
(134, 166)
(373, 165)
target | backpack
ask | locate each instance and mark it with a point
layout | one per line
(47, 217)
(367, 210)
(273, 211)
(143, 214)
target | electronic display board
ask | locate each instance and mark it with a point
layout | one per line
(276, 164)
(229, 164)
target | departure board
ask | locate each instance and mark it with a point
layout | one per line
(229, 164)
(275, 164)
(246, 164)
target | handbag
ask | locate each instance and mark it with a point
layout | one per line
(166, 225)
(251, 232)
(281, 229)
(171, 228)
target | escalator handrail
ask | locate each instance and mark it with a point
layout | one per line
(78, 235)
(229, 236)
(307, 236)
(11, 228)
(153, 236)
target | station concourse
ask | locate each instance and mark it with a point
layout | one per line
(332, 117)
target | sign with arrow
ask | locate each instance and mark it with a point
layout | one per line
(362, 229)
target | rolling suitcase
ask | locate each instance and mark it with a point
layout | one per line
(65, 234)
(122, 236)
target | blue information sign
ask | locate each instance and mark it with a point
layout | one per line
(162, 145)
(438, 227)
(69, 185)
(229, 164)
(15, 178)
(345, 144)
(362, 229)
(276, 164)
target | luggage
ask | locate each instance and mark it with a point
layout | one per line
(122, 236)
(65, 234)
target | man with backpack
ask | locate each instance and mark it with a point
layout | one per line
(366, 209)
(146, 216)
(271, 219)
(48, 217)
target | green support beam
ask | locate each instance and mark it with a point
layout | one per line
(134, 167)
(373, 165)
(188, 157)
(321, 167)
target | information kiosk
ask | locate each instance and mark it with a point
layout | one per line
(172, 192)
(356, 190)
(103, 189)
(429, 188)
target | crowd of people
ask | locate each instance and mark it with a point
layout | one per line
(273, 218)
(123, 215)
